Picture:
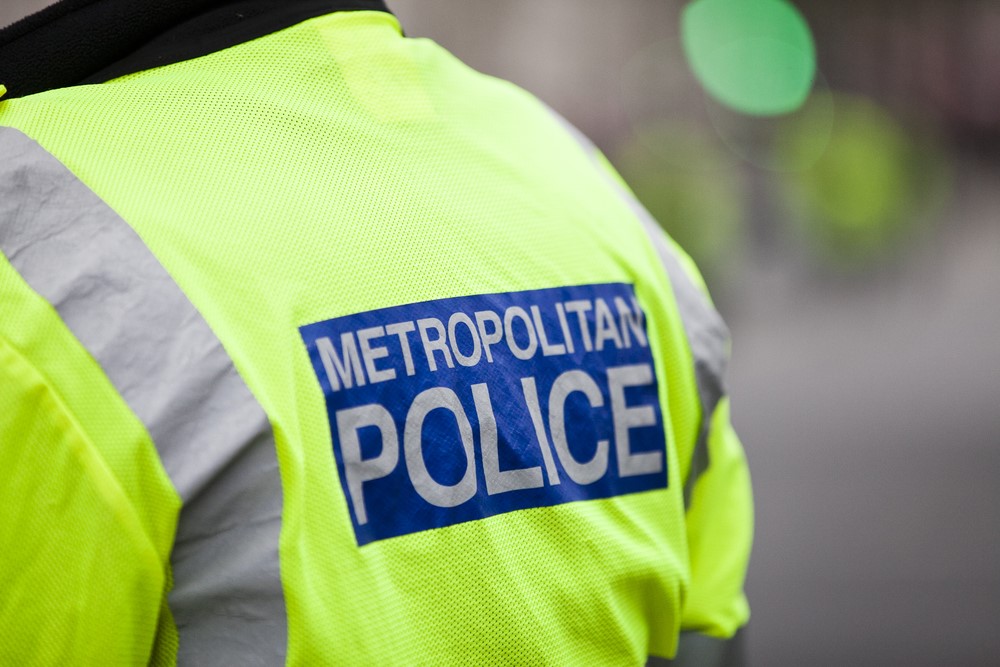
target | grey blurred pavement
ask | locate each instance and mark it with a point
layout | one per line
(871, 418)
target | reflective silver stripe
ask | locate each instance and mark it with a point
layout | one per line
(698, 650)
(706, 332)
(214, 439)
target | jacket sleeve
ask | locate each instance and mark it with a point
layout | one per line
(720, 532)
(80, 580)
(718, 494)
(717, 491)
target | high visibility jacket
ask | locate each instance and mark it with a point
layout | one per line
(319, 348)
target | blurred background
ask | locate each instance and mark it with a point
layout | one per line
(850, 234)
(853, 244)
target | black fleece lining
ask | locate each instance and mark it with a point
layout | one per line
(91, 41)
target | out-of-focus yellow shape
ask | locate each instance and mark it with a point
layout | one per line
(700, 203)
(872, 185)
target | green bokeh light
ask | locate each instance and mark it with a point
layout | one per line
(874, 187)
(754, 56)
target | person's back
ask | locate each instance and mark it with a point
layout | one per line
(410, 373)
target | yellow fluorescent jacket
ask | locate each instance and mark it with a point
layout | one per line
(324, 349)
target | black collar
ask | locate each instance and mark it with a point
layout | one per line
(90, 41)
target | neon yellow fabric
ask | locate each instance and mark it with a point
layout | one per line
(88, 521)
(336, 167)
(720, 534)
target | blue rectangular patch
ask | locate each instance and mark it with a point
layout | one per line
(458, 409)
